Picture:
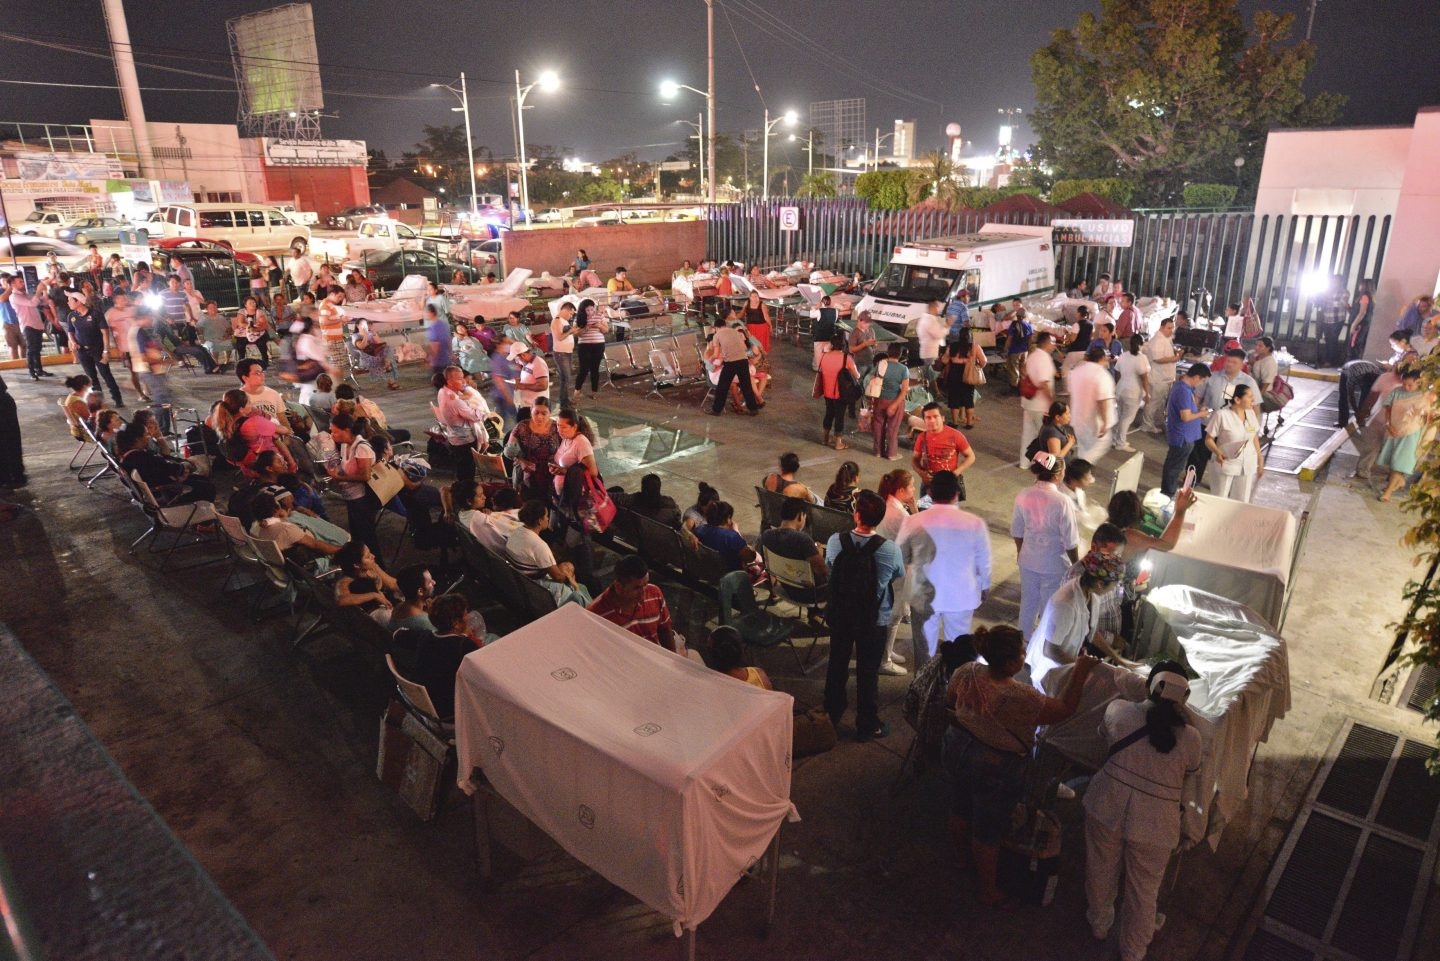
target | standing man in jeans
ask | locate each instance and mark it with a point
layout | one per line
(859, 615)
(562, 346)
(730, 347)
(1184, 426)
(32, 325)
(92, 343)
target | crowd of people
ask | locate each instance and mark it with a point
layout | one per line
(527, 486)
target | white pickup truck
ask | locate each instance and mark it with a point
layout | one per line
(306, 218)
(374, 234)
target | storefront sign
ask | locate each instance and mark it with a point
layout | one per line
(53, 186)
(66, 166)
(314, 153)
(1094, 233)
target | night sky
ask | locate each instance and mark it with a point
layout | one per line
(906, 58)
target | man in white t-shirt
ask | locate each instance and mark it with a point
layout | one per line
(1092, 404)
(1163, 356)
(532, 375)
(267, 400)
(562, 345)
(302, 270)
(931, 332)
(1039, 369)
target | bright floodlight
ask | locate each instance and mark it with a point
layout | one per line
(790, 118)
(549, 81)
(1314, 283)
(791, 138)
(669, 89)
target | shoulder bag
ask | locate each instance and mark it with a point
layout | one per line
(876, 385)
(386, 480)
(974, 374)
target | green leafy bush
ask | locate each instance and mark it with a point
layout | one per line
(1209, 195)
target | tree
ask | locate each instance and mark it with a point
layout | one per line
(935, 177)
(1165, 92)
(889, 189)
(819, 185)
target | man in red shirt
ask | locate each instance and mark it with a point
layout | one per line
(940, 447)
(635, 604)
(1128, 321)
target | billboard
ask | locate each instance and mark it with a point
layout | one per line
(313, 153)
(1093, 233)
(276, 63)
(34, 165)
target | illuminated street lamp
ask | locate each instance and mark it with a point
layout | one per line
(809, 143)
(464, 108)
(548, 81)
(789, 120)
(669, 89)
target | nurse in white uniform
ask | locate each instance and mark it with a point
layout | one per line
(1069, 621)
(1132, 808)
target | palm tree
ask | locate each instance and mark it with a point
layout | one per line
(819, 186)
(935, 176)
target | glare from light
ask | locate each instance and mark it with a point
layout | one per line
(791, 138)
(790, 118)
(669, 89)
(1007, 133)
(1314, 282)
(153, 301)
(549, 81)
(1146, 564)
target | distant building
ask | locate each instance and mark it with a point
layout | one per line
(903, 144)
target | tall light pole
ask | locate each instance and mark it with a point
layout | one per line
(878, 140)
(547, 82)
(789, 120)
(668, 90)
(1007, 132)
(710, 93)
(464, 94)
(699, 126)
(809, 143)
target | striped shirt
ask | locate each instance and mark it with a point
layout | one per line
(647, 620)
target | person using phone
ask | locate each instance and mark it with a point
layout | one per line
(1184, 425)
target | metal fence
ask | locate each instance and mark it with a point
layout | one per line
(1205, 260)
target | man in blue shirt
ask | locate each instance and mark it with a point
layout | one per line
(1219, 390)
(864, 637)
(437, 335)
(1184, 426)
(959, 313)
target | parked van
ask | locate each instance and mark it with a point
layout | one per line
(254, 227)
(1000, 262)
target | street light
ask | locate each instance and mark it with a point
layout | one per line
(548, 82)
(878, 141)
(1007, 131)
(809, 151)
(789, 120)
(699, 136)
(464, 95)
(669, 90)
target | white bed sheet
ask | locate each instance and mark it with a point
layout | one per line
(664, 777)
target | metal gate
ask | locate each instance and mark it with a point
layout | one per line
(1204, 260)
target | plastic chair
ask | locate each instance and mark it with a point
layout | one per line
(795, 581)
(417, 701)
(757, 628)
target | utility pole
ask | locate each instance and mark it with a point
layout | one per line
(120, 52)
(1310, 26)
(710, 95)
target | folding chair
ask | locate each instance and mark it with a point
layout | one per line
(241, 554)
(795, 581)
(769, 503)
(417, 701)
(108, 464)
(825, 521)
(757, 628)
(179, 521)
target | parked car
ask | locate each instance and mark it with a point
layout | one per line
(350, 217)
(386, 269)
(306, 218)
(205, 243)
(37, 250)
(554, 215)
(254, 227)
(41, 223)
(218, 275)
(92, 230)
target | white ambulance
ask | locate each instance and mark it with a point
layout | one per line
(1000, 262)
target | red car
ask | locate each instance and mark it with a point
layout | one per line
(202, 243)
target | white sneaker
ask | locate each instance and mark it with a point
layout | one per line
(892, 669)
(898, 658)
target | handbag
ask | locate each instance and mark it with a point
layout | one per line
(1028, 388)
(876, 384)
(813, 733)
(974, 374)
(386, 480)
(817, 389)
(597, 509)
(849, 386)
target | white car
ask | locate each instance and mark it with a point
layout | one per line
(552, 216)
(37, 250)
(41, 223)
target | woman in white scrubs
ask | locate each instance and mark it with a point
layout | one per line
(1234, 441)
(1047, 537)
(1070, 618)
(1132, 808)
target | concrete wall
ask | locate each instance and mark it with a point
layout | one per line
(1412, 257)
(325, 190)
(216, 162)
(1350, 172)
(650, 252)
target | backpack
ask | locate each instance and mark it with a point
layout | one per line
(236, 448)
(1019, 333)
(854, 582)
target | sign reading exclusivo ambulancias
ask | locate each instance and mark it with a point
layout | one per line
(1094, 233)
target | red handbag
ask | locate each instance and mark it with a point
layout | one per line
(597, 510)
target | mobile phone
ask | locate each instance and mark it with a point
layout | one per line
(1189, 479)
